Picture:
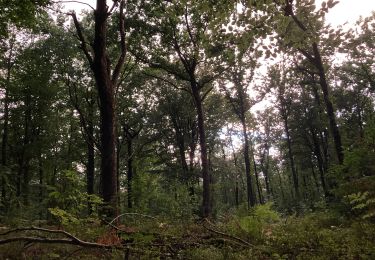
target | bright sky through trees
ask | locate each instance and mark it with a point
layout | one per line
(347, 11)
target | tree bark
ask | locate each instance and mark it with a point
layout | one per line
(316, 61)
(130, 172)
(90, 166)
(4, 144)
(206, 204)
(250, 192)
(101, 69)
(291, 158)
(106, 81)
(259, 188)
(319, 158)
(330, 110)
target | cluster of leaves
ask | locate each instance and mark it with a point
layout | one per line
(71, 204)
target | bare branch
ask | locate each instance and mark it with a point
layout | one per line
(206, 93)
(78, 2)
(188, 28)
(82, 38)
(130, 214)
(71, 239)
(226, 235)
(307, 55)
(167, 81)
(179, 52)
(121, 59)
(114, 5)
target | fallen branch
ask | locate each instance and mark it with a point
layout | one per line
(71, 239)
(126, 214)
(226, 235)
(57, 241)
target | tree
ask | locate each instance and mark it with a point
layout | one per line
(177, 40)
(237, 96)
(307, 43)
(107, 80)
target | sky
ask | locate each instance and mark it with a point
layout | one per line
(345, 11)
(349, 11)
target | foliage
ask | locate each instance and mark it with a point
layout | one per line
(69, 204)
(254, 223)
(322, 236)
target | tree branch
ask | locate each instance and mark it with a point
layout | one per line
(71, 239)
(78, 2)
(226, 235)
(167, 81)
(82, 38)
(121, 59)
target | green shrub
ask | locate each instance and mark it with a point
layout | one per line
(255, 223)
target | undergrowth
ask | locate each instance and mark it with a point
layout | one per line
(259, 233)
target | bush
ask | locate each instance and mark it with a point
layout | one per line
(255, 224)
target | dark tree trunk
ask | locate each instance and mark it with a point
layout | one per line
(130, 172)
(192, 148)
(250, 193)
(107, 79)
(206, 204)
(4, 144)
(90, 174)
(316, 61)
(291, 158)
(102, 70)
(23, 174)
(314, 176)
(181, 145)
(90, 166)
(281, 184)
(329, 107)
(236, 194)
(322, 132)
(319, 158)
(259, 187)
(265, 169)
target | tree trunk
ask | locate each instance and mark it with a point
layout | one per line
(259, 188)
(90, 166)
(322, 132)
(291, 158)
(4, 144)
(24, 178)
(90, 177)
(330, 111)
(250, 193)
(319, 158)
(280, 184)
(130, 172)
(206, 204)
(101, 69)
(316, 60)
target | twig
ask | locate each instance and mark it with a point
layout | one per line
(137, 214)
(226, 235)
(70, 240)
(78, 2)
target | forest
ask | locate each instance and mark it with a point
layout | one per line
(191, 129)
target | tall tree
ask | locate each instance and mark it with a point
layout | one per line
(177, 38)
(240, 74)
(107, 79)
(301, 32)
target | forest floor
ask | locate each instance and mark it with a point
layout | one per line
(262, 235)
